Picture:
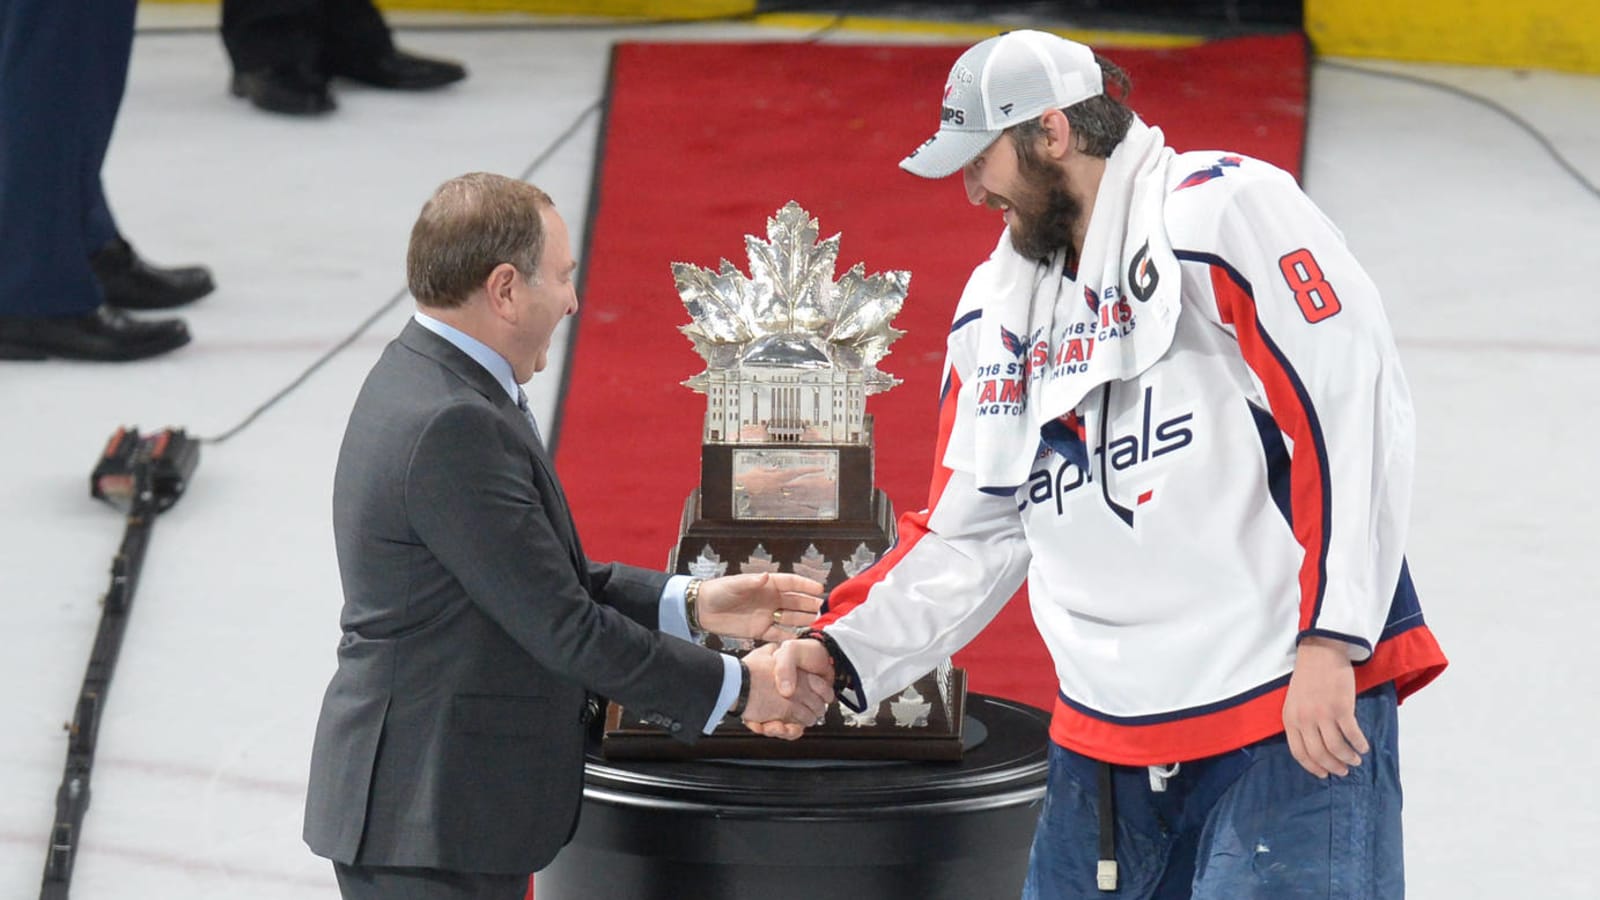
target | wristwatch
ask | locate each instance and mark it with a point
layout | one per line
(743, 700)
(691, 594)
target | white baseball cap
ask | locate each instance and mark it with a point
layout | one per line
(998, 83)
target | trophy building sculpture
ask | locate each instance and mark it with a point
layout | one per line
(786, 467)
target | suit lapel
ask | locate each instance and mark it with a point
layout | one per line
(467, 369)
(453, 358)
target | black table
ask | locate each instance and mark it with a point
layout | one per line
(726, 829)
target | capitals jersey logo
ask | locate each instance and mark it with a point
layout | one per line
(1159, 432)
(1216, 170)
(1014, 342)
(1002, 387)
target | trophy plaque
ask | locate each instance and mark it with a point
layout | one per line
(786, 473)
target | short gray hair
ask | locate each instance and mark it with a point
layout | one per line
(471, 224)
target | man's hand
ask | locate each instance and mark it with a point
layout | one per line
(786, 715)
(769, 606)
(1319, 713)
(799, 665)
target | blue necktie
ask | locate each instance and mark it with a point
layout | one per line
(522, 404)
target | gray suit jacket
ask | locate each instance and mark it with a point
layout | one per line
(451, 736)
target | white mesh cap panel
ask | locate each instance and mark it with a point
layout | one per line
(998, 83)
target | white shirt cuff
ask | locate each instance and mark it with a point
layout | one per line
(731, 676)
(674, 619)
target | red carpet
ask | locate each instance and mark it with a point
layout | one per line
(704, 141)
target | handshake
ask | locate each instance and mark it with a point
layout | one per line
(791, 685)
(791, 678)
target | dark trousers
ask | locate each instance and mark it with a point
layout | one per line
(63, 68)
(304, 34)
(1250, 824)
(385, 883)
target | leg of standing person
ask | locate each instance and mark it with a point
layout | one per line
(127, 281)
(1249, 824)
(1064, 863)
(358, 882)
(55, 61)
(358, 45)
(1280, 831)
(276, 50)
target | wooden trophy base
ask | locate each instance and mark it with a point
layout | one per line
(829, 552)
(885, 738)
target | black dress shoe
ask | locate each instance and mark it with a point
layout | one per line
(106, 335)
(291, 90)
(400, 71)
(131, 283)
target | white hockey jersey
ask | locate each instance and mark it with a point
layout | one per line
(1179, 530)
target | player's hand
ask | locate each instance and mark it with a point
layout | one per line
(774, 713)
(1319, 713)
(800, 666)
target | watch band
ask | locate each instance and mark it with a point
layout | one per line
(743, 700)
(691, 596)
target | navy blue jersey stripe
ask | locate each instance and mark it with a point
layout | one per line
(1405, 610)
(1211, 259)
(1276, 454)
(1178, 714)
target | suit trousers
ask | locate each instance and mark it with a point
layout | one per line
(386, 883)
(63, 69)
(305, 34)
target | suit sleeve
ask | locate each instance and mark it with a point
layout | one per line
(633, 591)
(470, 497)
(1312, 329)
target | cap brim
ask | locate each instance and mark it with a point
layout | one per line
(947, 151)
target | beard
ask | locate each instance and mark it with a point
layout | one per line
(1045, 213)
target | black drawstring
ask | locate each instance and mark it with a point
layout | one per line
(1105, 874)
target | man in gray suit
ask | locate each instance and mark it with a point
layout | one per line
(448, 760)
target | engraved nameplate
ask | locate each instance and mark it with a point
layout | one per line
(785, 484)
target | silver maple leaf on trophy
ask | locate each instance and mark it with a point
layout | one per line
(791, 353)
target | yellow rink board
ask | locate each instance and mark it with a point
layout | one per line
(1548, 34)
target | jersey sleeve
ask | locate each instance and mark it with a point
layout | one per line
(1312, 329)
(951, 570)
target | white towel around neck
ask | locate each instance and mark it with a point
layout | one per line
(1070, 336)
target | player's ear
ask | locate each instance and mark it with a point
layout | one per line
(1057, 133)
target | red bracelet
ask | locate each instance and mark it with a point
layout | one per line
(842, 669)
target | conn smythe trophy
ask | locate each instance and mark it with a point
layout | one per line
(786, 471)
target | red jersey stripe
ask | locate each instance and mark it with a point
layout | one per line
(911, 527)
(1410, 659)
(1309, 488)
